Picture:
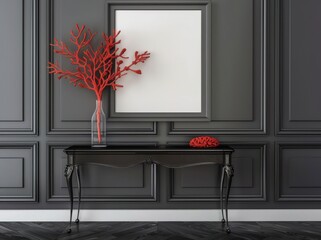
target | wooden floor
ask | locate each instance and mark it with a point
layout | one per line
(161, 231)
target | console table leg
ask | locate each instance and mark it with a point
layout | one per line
(229, 173)
(221, 193)
(79, 191)
(68, 175)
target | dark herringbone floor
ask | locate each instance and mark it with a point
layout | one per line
(161, 231)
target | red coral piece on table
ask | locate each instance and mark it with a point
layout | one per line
(204, 142)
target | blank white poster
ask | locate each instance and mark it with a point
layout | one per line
(171, 78)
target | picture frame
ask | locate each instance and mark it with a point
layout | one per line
(175, 84)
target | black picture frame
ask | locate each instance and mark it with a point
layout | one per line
(205, 7)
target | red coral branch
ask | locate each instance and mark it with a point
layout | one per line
(94, 69)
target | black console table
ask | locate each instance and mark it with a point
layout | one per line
(168, 156)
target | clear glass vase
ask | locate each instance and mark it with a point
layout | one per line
(98, 126)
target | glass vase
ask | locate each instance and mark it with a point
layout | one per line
(98, 126)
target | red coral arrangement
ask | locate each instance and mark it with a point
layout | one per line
(204, 142)
(94, 69)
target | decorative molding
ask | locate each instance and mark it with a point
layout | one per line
(33, 128)
(139, 198)
(238, 131)
(233, 198)
(34, 194)
(279, 146)
(51, 129)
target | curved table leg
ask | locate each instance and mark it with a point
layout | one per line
(68, 175)
(222, 193)
(229, 173)
(79, 191)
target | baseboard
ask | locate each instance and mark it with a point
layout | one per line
(162, 215)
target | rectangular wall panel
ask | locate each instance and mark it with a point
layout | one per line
(18, 172)
(9, 165)
(202, 183)
(297, 172)
(100, 183)
(70, 108)
(238, 71)
(299, 74)
(18, 67)
(11, 87)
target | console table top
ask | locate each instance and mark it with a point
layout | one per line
(145, 148)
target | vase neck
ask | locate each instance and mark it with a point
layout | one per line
(99, 104)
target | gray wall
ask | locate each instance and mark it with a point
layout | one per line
(266, 85)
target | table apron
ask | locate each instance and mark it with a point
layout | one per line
(166, 160)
